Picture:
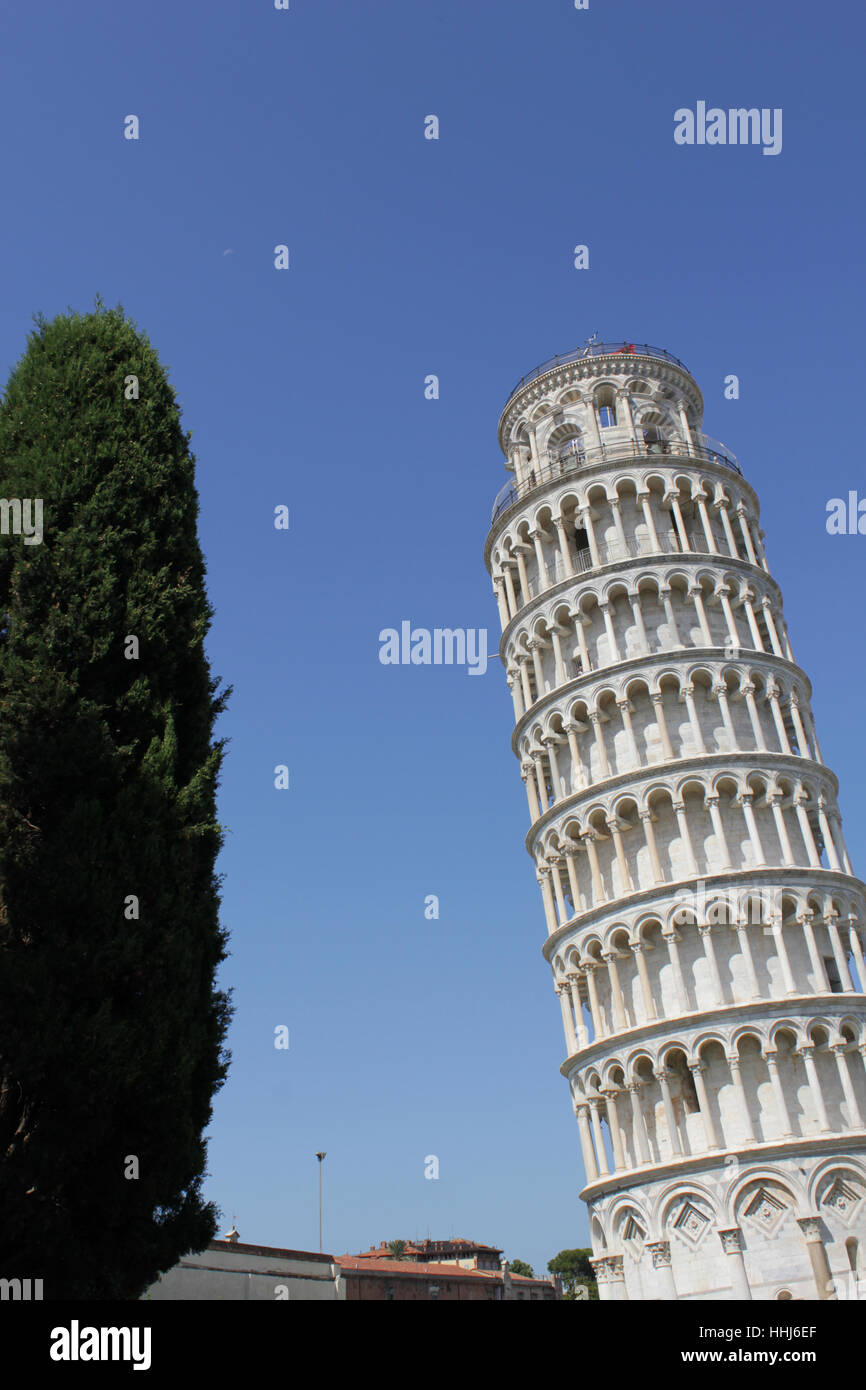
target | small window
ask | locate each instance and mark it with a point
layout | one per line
(606, 417)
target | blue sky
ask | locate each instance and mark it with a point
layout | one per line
(305, 387)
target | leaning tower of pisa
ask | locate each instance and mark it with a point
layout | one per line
(704, 926)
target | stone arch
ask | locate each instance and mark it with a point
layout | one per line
(748, 1181)
(638, 386)
(837, 1192)
(765, 1204)
(590, 951)
(687, 1217)
(623, 1205)
(630, 1232)
(669, 1199)
(572, 958)
(641, 1053)
(562, 435)
(569, 395)
(592, 1082)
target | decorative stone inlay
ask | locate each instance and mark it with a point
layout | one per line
(843, 1199)
(691, 1223)
(766, 1211)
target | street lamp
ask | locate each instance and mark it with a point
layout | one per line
(320, 1157)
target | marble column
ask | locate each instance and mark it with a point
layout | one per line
(595, 1119)
(647, 819)
(662, 1076)
(610, 1095)
(567, 1021)
(638, 1124)
(811, 1228)
(660, 1253)
(573, 980)
(645, 987)
(658, 704)
(737, 1076)
(807, 1052)
(838, 1050)
(786, 1132)
(672, 940)
(582, 1112)
(697, 1070)
(732, 1244)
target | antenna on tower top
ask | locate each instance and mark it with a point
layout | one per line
(589, 344)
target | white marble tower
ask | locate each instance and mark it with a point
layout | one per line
(704, 926)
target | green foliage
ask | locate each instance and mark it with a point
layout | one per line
(520, 1267)
(111, 1028)
(397, 1248)
(574, 1268)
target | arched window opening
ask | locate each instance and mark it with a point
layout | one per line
(606, 404)
(676, 1064)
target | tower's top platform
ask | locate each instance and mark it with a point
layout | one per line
(591, 348)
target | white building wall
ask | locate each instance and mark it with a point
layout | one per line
(236, 1273)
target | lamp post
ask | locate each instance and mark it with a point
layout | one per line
(320, 1157)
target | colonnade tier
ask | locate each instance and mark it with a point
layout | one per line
(724, 948)
(704, 926)
(672, 708)
(603, 846)
(661, 614)
(722, 1088)
(572, 533)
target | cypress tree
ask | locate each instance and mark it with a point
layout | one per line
(111, 1026)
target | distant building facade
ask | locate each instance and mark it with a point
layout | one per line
(376, 1279)
(467, 1253)
(234, 1272)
